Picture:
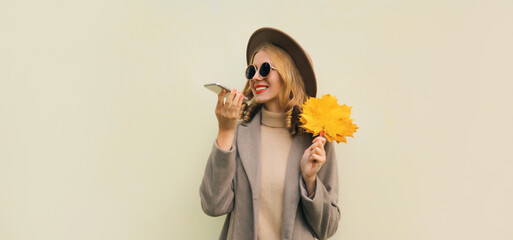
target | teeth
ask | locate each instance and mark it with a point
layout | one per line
(260, 88)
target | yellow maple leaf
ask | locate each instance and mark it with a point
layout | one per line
(326, 117)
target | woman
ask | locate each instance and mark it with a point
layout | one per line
(271, 179)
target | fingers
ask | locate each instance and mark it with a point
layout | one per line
(319, 151)
(318, 155)
(229, 100)
(320, 139)
(220, 100)
(311, 148)
(240, 99)
(235, 100)
(318, 158)
(318, 144)
(314, 157)
(230, 107)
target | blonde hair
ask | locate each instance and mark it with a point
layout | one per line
(292, 95)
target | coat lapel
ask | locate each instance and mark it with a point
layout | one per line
(292, 192)
(248, 142)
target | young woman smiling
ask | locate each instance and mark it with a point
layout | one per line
(261, 170)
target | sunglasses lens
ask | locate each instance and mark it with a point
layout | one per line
(250, 72)
(264, 69)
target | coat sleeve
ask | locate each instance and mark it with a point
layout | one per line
(321, 211)
(217, 187)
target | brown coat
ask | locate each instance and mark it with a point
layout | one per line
(231, 185)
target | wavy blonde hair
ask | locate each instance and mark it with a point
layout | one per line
(292, 95)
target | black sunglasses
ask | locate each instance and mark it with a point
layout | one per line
(264, 70)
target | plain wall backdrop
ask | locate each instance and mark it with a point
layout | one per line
(105, 127)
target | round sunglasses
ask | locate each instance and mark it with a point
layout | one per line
(264, 70)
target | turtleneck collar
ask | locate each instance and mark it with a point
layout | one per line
(273, 119)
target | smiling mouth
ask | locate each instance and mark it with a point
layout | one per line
(260, 89)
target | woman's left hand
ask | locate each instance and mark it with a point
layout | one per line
(311, 162)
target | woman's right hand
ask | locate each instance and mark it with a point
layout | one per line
(227, 113)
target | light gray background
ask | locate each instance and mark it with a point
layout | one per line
(105, 127)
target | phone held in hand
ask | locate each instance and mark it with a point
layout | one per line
(218, 87)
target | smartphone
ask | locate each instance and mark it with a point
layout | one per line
(217, 88)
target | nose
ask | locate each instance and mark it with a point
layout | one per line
(257, 77)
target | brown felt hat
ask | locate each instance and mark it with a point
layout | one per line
(287, 43)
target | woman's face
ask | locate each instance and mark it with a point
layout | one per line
(266, 90)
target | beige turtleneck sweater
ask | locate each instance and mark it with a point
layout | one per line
(276, 141)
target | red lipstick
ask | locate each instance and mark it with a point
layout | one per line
(260, 88)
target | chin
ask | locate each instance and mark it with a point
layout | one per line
(261, 100)
(264, 97)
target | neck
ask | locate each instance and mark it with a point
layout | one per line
(273, 106)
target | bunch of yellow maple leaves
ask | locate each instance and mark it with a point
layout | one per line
(324, 116)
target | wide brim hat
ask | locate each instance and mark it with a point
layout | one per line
(296, 52)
